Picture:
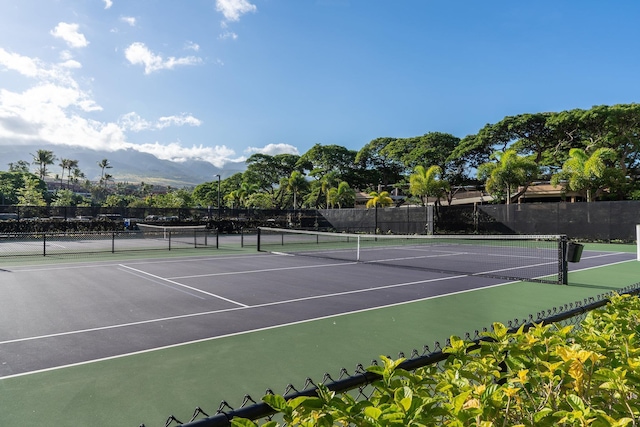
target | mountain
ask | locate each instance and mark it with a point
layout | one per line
(127, 165)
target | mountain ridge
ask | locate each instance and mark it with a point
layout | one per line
(127, 165)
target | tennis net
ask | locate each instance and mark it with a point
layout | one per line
(189, 235)
(537, 258)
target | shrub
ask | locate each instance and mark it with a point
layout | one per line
(548, 375)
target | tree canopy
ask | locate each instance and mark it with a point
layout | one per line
(505, 157)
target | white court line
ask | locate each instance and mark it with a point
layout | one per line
(245, 307)
(158, 282)
(265, 270)
(47, 267)
(184, 286)
(257, 329)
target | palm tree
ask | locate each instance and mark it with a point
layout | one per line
(296, 183)
(341, 195)
(43, 158)
(246, 189)
(67, 164)
(71, 165)
(103, 164)
(425, 182)
(582, 172)
(76, 175)
(233, 197)
(382, 199)
(508, 173)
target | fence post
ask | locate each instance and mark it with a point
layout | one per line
(258, 239)
(638, 241)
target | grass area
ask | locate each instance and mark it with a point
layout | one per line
(148, 387)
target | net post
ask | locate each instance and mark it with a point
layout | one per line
(358, 249)
(113, 242)
(563, 265)
(241, 237)
(168, 236)
(44, 244)
(258, 239)
(217, 238)
(195, 239)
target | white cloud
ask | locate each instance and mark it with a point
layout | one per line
(108, 4)
(192, 46)
(55, 110)
(234, 9)
(218, 155)
(34, 68)
(69, 33)
(273, 149)
(129, 20)
(228, 35)
(22, 64)
(70, 64)
(133, 122)
(138, 54)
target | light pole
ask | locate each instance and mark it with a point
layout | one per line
(219, 214)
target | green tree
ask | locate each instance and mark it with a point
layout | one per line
(266, 171)
(583, 172)
(260, 201)
(32, 193)
(425, 182)
(64, 197)
(342, 195)
(509, 172)
(119, 200)
(11, 182)
(383, 168)
(77, 175)
(321, 160)
(19, 166)
(246, 189)
(103, 164)
(296, 184)
(43, 158)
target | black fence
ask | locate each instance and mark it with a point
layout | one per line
(87, 243)
(360, 382)
(597, 221)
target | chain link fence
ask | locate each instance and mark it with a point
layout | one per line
(360, 382)
(86, 243)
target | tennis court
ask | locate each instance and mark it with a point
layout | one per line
(116, 340)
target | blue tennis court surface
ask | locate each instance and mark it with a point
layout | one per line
(71, 314)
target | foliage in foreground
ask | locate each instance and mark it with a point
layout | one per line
(546, 376)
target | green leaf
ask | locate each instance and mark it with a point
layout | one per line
(276, 401)
(242, 422)
(403, 397)
(306, 402)
(372, 412)
(541, 414)
(575, 402)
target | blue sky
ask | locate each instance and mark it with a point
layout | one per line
(221, 79)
